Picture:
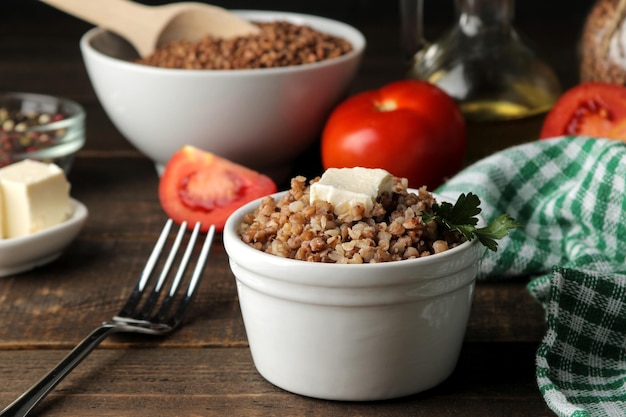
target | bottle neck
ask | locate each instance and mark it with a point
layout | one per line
(485, 15)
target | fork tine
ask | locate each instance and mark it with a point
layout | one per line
(195, 279)
(182, 267)
(204, 255)
(134, 314)
(135, 297)
(156, 291)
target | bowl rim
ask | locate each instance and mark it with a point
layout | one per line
(356, 38)
(326, 273)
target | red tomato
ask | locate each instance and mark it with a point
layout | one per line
(198, 186)
(588, 109)
(410, 128)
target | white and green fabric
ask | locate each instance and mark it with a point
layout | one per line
(570, 196)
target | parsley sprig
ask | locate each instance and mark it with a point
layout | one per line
(462, 217)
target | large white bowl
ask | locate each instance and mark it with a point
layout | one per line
(353, 332)
(261, 118)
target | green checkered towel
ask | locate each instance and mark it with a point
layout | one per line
(570, 195)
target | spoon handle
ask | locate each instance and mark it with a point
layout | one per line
(135, 22)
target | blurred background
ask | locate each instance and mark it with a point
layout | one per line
(553, 28)
(553, 25)
(355, 10)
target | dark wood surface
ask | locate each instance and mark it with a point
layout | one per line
(205, 368)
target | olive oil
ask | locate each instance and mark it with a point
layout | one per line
(493, 125)
(497, 118)
(490, 110)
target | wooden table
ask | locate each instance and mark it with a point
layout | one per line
(205, 369)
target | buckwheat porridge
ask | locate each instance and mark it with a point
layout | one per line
(279, 44)
(298, 228)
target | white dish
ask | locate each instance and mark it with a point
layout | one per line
(353, 332)
(260, 118)
(27, 252)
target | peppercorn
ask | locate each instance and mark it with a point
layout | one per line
(18, 133)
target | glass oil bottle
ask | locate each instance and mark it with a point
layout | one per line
(503, 89)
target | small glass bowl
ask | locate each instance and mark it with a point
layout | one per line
(40, 127)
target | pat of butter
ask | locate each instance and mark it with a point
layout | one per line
(347, 188)
(35, 196)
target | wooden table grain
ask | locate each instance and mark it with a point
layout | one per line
(205, 368)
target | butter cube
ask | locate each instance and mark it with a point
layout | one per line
(348, 188)
(35, 196)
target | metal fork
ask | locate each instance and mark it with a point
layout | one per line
(139, 315)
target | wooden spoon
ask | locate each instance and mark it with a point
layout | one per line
(147, 27)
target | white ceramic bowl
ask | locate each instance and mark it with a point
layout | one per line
(23, 253)
(353, 332)
(261, 118)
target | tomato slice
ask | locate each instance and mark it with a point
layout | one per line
(588, 109)
(199, 186)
